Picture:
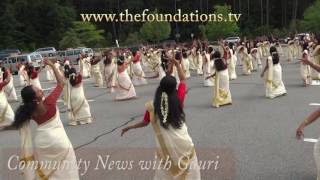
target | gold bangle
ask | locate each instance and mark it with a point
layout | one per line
(306, 121)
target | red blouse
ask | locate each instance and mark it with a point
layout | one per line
(136, 58)
(34, 74)
(50, 104)
(78, 79)
(3, 84)
(181, 96)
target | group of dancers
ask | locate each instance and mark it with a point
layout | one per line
(120, 71)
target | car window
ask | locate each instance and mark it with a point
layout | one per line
(76, 52)
(69, 53)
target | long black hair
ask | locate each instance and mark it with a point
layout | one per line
(24, 111)
(176, 116)
(274, 55)
(5, 74)
(30, 71)
(72, 76)
(218, 61)
(164, 61)
(66, 71)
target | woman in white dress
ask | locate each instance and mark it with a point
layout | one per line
(51, 141)
(6, 113)
(124, 88)
(272, 74)
(172, 138)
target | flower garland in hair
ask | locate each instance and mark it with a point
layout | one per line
(73, 75)
(164, 106)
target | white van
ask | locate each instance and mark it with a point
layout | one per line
(11, 62)
(73, 54)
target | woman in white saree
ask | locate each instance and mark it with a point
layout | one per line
(84, 62)
(172, 138)
(316, 60)
(53, 156)
(95, 70)
(23, 76)
(222, 94)
(310, 119)
(231, 61)
(305, 69)
(79, 109)
(246, 61)
(124, 88)
(185, 63)
(137, 72)
(33, 77)
(6, 113)
(9, 89)
(273, 77)
(208, 68)
(109, 69)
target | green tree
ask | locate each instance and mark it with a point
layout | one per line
(155, 31)
(132, 39)
(70, 40)
(214, 29)
(311, 20)
(88, 34)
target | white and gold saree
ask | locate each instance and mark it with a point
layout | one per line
(6, 113)
(176, 146)
(273, 80)
(222, 94)
(53, 157)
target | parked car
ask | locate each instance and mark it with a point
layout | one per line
(302, 36)
(49, 52)
(232, 40)
(73, 54)
(33, 58)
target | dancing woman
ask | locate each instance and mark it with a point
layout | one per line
(273, 77)
(79, 109)
(6, 113)
(310, 119)
(124, 87)
(51, 141)
(168, 121)
(9, 89)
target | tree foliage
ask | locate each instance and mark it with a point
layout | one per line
(215, 29)
(155, 31)
(83, 34)
(311, 20)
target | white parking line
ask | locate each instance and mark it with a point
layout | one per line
(91, 100)
(310, 140)
(314, 104)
